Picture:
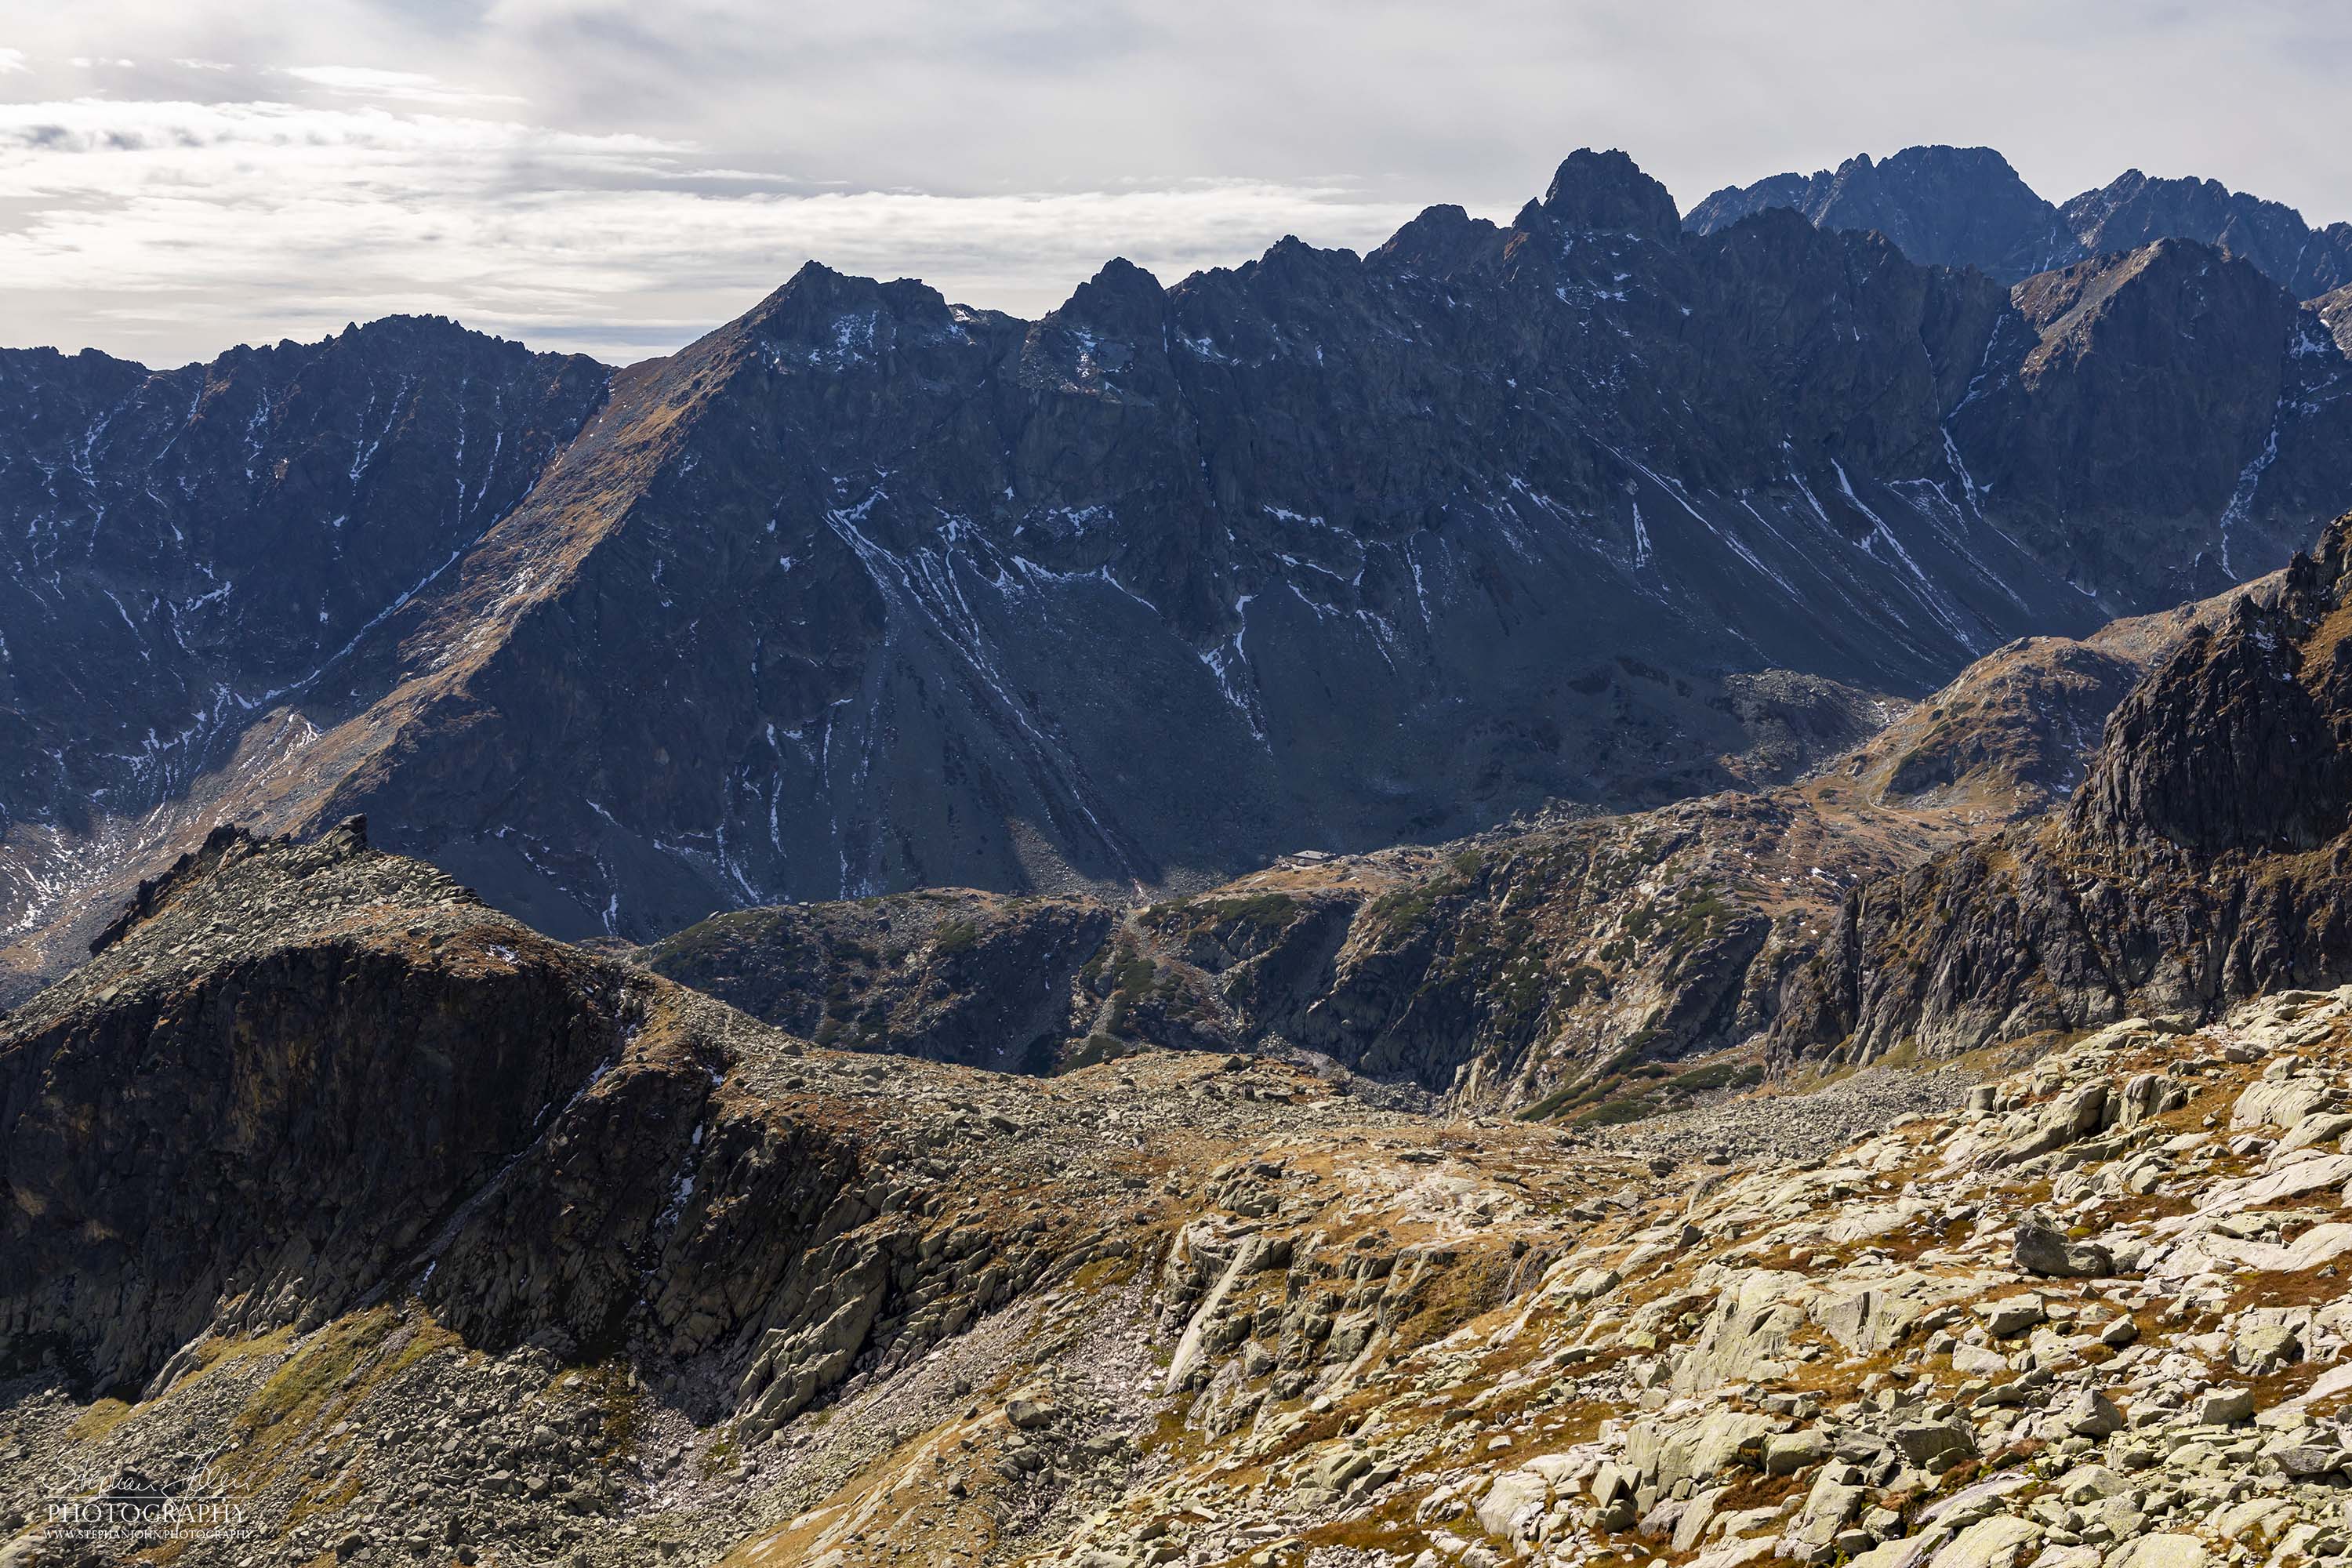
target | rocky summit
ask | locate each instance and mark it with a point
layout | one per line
(868, 591)
(2199, 862)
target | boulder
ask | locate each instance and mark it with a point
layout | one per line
(1592, 1282)
(1786, 1453)
(1516, 1496)
(2225, 1407)
(2000, 1542)
(2011, 1315)
(2319, 1127)
(2091, 1414)
(2258, 1349)
(2040, 1248)
(2279, 1102)
(1029, 1412)
(2091, 1483)
(2307, 1174)
(2161, 1551)
(1924, 1442)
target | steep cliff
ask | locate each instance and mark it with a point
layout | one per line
(2201, 861)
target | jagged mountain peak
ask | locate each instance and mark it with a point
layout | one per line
(1608, 191)
(2237, 742)
(2185, 280)
(2200, 864)
(1967, 206)
(1950, 206)
(817, 305)
(2134, 209)
(1440, 240)
(1119, 296)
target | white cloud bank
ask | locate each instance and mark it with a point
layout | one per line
(176, 175)
(165, 230)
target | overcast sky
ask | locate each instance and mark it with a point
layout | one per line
(179, 175)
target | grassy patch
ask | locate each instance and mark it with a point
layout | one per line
(623, 1404)
(1718, 1075)
(329, 1496)
(1548, 1105)
(1461, 1293)
(1618, 1113)
(328, 1374)
(100, 1419)
(1266, 911)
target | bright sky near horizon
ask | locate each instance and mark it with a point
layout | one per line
(179, 175)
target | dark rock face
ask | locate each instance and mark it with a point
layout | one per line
(1570, 967)
(245, 1155)
(944, 974)
(2135, 209)
(1954, 207)
(2335, 311)
(2226, 748)
(2175, 304)
(2202, 861)
(193, 557)
(868, 591)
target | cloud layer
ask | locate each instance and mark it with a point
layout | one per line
(618, 178)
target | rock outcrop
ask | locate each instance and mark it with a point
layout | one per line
(946, 974)
(2201, 862)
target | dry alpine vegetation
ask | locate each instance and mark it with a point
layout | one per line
(738, 1299)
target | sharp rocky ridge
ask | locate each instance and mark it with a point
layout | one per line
(1967, 206)
(866, 590)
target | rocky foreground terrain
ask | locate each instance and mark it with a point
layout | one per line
(420, 1239)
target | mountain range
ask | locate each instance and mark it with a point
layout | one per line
(1965, 207)
(1622, 889)
(866, 591)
